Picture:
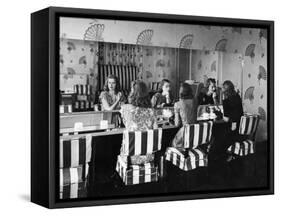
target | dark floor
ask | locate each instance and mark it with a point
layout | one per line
(244, 173)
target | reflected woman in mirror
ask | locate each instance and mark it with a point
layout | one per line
(209, 94)
(111, 97)
(185, 108)
(163, 97)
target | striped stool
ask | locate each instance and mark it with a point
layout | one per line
(246, 145)
(185, 154)
(74, 156)
(139, 143)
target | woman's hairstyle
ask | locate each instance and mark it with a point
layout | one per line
(211, 80)
(133, 83)
(140, 95)
(163, 81)
(229, 88)
(117, 88)
(185, 91)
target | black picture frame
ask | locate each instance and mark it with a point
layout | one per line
(45, 100)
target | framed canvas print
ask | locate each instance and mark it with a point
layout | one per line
(139, 107)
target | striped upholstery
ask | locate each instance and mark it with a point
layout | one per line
(77, 190)
(248, 124)
(197, 134)
(248, 127)
(242, 148)
(136, 174)
(141, 142)
(155, 86)
(73, 175)
(65, 108)
(75, 152)
(83, 89)
(126, 75)
(186, 159)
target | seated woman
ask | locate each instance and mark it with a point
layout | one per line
(185, 112)
(138, 115)
(232, 105)
(163, 97)
(233, 110)
(209, 94)
(185, 108)
(111, 97)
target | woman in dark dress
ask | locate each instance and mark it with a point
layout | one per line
(232, 106)
(225, 136)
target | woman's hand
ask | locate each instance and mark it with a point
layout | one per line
(215, 94)
(119, 96)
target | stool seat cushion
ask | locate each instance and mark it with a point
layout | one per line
(75, 152)
(136, 174)
(186, 159)
(242, 148)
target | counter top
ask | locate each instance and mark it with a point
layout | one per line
(106, 133)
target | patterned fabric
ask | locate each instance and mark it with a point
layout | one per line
(83, 89)
(65, 108)
(76, 190)
(136, 174)
(138, 159)
(186, 159)
(73, 175)
(193, 135)
(137, 118)
(141, 142)
(111, 99)
(75, 152)
(248, 124)
(242, 148)
(126, 74)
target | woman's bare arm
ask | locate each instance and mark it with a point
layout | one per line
(106, 105)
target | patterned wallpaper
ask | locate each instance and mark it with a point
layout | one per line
(248, 43)
(78, 63)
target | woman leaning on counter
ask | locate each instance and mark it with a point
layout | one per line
(111, 97)
(138, 115)
(163, 97)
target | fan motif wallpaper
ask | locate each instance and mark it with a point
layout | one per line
(78, 45)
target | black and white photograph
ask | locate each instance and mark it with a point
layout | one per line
(161, 108)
